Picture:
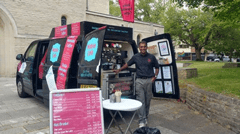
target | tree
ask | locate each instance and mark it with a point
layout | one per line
(227, 10)
(114, 8)
(225, 37)
(143, 10)
(225, 40)
(192, 27)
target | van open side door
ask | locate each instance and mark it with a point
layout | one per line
(166, 84)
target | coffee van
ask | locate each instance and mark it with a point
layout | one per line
(83, 55)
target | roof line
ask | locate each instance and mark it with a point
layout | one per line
(119, 18)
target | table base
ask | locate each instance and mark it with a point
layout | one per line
(113, 119)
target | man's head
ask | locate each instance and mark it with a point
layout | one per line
(143, 47)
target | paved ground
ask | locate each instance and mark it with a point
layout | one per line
(30, 116)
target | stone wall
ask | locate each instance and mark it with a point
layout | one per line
(186, 64)
(231, 65)
(100, 6)
(217, 107)
(186, 73)
(183, 64)
(22, 21)
(38, 17)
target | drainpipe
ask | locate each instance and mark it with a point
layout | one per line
(86, 4)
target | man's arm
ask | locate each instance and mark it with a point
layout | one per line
(123, 67)
(156, 74)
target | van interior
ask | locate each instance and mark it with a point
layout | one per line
(114, 55)
(37, 82)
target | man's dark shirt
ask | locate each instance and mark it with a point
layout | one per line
(144, 64)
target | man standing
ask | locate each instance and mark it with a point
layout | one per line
(145, 62)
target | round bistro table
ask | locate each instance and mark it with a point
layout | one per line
(124, 105)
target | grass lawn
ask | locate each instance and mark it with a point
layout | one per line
(212, 77)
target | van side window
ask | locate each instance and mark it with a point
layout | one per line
(31, 52)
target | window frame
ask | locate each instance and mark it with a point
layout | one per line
(63, 18)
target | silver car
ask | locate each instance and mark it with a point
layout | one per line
(226, 59)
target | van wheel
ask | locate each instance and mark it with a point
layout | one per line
(21, 92)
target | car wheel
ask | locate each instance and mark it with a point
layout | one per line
(20, 90)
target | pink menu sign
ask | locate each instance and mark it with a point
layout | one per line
(61, 31)
(75, 29)
(76, 112)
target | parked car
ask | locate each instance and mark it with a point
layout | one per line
(226, 59)
(216, 59)
(213, 58)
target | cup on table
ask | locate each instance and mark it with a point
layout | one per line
(118, 99)
(112, 98)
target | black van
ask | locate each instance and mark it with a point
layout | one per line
(83, 54)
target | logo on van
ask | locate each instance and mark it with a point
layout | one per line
(55, 52)
(86, 73)
(91, 49)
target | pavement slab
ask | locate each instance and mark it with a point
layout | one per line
(14, 131)
(37, 126)
(31, 116)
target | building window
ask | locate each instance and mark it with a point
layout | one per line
(63, 21)
(183, 46)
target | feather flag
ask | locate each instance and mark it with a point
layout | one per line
(127, 9)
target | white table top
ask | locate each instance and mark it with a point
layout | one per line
(124, 105)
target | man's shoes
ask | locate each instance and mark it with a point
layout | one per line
(141, 125)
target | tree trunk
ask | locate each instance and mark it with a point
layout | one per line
(231, 55)
(198, 54)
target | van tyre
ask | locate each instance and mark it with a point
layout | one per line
(20, 90)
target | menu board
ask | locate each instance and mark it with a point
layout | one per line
(166, 72)
(159, 86)
(76, 111)
(166, 83)
(163, 48)
(168, 87)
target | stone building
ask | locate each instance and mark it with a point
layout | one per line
(23, 21)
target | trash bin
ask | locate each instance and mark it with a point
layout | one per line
(147, 130)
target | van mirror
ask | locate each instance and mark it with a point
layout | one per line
(19, 57)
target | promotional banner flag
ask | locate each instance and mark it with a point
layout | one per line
(65, 62)
(41, 68)
(127, 9)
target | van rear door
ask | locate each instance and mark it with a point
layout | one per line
(166, 84)
(90, 59)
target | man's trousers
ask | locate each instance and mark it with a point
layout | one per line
(144, 95)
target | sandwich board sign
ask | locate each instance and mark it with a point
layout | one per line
(76, 111)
